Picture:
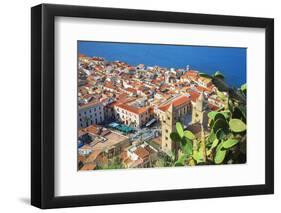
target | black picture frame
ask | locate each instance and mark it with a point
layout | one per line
(43, 105)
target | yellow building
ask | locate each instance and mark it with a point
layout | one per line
(200, 111)
(169, 114)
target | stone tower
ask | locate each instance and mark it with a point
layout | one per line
(167, 77)
(200, 111)
(168, 124)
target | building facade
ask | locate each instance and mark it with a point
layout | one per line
(140, 156)
(132, 116)
(200, 111)
(169, 114)
(89, 114)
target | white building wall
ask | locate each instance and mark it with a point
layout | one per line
(90, 115)
(130, 118)
(126, 116)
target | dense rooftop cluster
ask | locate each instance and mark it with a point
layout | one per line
(116, 93)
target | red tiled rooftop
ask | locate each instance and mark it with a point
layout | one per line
(91, 129)
(133, 109)
(177, 102)
(88, 166)
(97, 59)
(180, 101)
(190, 73)
(203, 89)
(193, 72)
(122, 95)
(92, 157)
(213, 107)
(142, 152)
(165, 107)
(194, 95)
(131, 90)
(109, 85)
(149, 149)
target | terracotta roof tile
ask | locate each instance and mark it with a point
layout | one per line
(213, 107)
(88, 166)
(190, 73)
(194, 95)
(142, 152)
(131, 90)
(177, 102)
(133, 109)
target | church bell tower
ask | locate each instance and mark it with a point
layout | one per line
(200, 111)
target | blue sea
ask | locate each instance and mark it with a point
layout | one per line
(231, 61)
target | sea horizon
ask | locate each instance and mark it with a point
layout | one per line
(231, 61)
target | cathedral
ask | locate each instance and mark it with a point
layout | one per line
(200, 111)
(176, 111)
